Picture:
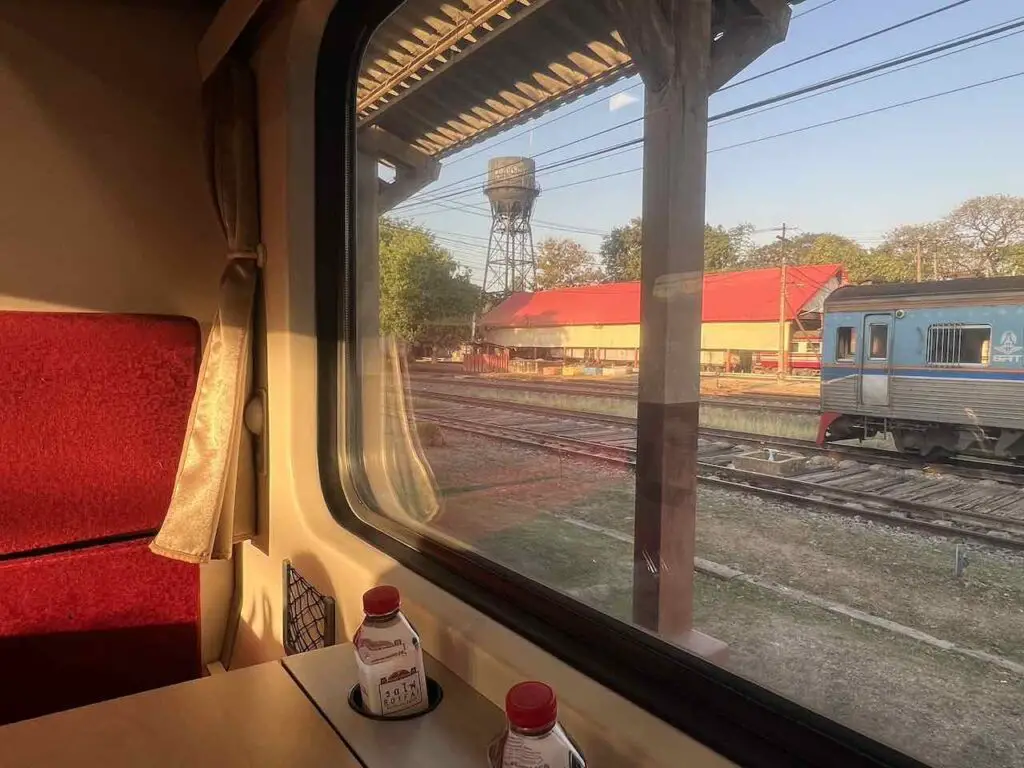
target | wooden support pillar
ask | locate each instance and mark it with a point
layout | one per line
(671, 43)
(672, 270)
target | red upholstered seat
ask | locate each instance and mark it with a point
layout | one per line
(93, 411)
(87, 625)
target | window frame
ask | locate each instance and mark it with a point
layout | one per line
(740, 720)
(851, 347)
(961, 327)
(871, 358)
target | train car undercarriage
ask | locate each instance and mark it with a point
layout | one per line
(931, 440)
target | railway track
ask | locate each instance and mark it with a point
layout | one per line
(619, 392)
(982, 503)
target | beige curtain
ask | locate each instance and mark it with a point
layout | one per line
(215, 472)
(411, 480)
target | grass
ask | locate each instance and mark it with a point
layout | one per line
(948, 709)
(517, 505)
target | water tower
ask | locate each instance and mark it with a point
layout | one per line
(511, 262)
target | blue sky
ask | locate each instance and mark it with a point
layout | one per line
(858, 178)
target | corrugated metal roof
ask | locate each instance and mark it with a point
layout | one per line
(967, 287)
(417, 83)
(729, 297)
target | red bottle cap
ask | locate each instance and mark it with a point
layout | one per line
(531, 706)
(380, 601)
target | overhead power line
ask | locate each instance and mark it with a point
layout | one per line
(803, 60)
(847, 44)
(902, 68)
(562, 115)
(545, 124)
(823, 124)
(830, 84)
(885, 65)
(876, 111)
(812, 10)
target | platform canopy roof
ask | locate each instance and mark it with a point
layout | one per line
(751, 296)
(422, 83)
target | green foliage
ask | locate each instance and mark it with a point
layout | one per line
(808, 248)
(425, 297)
(989, 234)
(563, 263)
(620, 252)
(982, 237)
(724, 249)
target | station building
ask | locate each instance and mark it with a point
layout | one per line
(745, 316)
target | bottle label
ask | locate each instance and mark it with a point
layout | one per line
(551, 751)
(373, 651)
(391, 675)
(400, 690)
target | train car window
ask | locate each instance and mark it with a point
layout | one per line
(955, 345)
(879, 342)
(846, 343)
(628, 476)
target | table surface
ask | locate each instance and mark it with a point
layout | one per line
(455, 735)
(256, 716)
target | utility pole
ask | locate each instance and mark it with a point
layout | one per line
(919, 260)
(783, 366)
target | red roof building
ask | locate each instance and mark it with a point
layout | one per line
(729, 297)
(602, 322)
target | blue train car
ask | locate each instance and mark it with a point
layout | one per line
(939, 366)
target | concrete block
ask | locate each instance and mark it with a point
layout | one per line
(771, 463)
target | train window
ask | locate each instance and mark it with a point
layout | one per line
(508, 426)
(846, 343)
(879, 342)
(955, 345)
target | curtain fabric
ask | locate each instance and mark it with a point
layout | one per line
(412, 483)
(214, 472)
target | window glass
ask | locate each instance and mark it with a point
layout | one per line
(500, 236)
(959, 345)
(879, 349)
(846, 343)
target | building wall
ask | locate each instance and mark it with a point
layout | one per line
(738, 336)
(587, 336)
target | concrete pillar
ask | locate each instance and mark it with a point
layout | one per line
(671, 42)
(675, 150)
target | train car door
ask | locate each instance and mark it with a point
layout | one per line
(876, 360)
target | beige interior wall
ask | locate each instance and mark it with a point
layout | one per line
(103, 197)
(300, 527)
(103, 201)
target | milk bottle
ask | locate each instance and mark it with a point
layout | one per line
(533, 738)
(392, 681)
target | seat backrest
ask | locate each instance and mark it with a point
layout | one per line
(93, 411)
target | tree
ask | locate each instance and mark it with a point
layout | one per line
(895, 258)
(724, 249)
(425, 297)
(808, 248)
(562, 263)
(990, 234)
(620, 252)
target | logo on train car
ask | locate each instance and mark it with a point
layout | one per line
(1008, 349)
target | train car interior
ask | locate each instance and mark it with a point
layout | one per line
(215, 443)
